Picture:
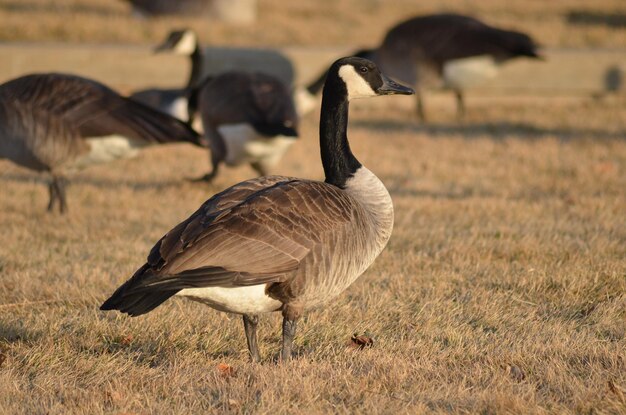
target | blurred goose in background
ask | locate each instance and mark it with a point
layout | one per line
(248, 118)
(175, 101)
(278, 243)
(57, 123)
(170, 7)
(444, 50)
(230, 11)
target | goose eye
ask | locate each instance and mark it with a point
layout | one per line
(363, 69)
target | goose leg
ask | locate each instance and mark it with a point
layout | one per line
(208, 178)
(259, 168)
(61, 184)
(421, 113)
(460, 105)
(56, 189)
(289, 331)
(290, 318)
(218, 154)
(52, 190)
(249, 324)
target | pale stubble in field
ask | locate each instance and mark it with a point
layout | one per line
(502, 288)
(354, 23)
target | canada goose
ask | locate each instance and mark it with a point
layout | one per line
(231, 11)
(58, 122)
(165, 7)
(278, 243)
(247, 118)
(174, 101)
(448, 50)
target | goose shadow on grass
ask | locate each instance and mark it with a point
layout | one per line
(596, 18)
(13, 332)
(23, 6)
(496, 130)
(102, 183)
(396, 190)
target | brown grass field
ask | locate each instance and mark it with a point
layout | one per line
(502, 290)
(306, 22)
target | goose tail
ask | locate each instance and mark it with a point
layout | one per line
(132, 300)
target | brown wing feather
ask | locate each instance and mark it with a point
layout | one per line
(256, 232)
(91, 109)
(249, 229)
(268, 233)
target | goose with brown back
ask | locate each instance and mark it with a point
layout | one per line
(57, 123)
(444, 50)
(278, 244)
(248, 118)
(166, 8)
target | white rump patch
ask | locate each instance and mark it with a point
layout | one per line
(356, 85)
(241, 300)
(178, 108)
(109, 148)
(187, 44)
(468, 72)
(305, 101)
(245, 145)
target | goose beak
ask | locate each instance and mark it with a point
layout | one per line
(162, 47)
(391, 87)
(539, 56)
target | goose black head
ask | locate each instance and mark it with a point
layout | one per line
(522, 45)
(362, 79)
(181, 42)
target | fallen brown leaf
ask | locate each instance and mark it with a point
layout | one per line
(606, 167)
(124, 340)
(617, 391)
(361, 341)
(226, 370)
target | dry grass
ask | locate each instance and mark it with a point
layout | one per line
(305, 22)
(502, 289)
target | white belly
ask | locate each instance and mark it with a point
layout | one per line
(245, 145)
(304, 100)
(197, 125)
(240, 300)
(468, 72)
(178, 108)
(105, 149)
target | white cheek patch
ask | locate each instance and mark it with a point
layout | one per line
(356, 85)
(187, 44)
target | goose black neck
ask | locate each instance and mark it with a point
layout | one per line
(337, 158)
(197, 58)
